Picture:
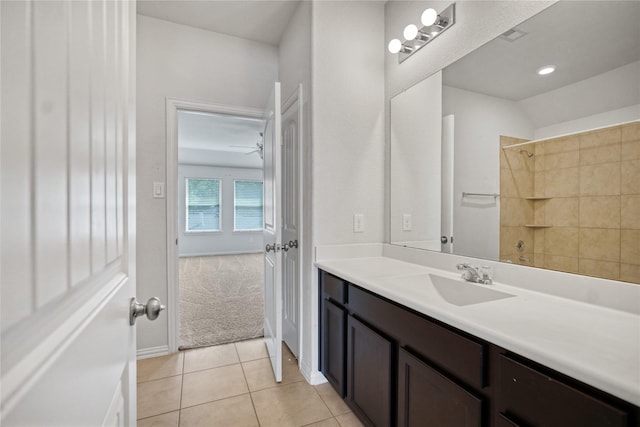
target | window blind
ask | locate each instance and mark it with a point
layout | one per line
(248, 206)
(203, 204)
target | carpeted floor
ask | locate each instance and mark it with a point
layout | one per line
(221, 299)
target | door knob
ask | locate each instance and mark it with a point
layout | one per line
(270, 248)
(152, 309)
(293, 243)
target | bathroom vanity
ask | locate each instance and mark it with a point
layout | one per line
(402, 351)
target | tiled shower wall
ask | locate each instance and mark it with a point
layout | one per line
(575, 203)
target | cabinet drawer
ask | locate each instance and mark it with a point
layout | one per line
(334, 287)
(534, 398)
(450, 351)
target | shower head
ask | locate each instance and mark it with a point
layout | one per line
(528, 153)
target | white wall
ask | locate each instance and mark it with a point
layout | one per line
(184, 63)
(294, 68)
(348, 120)
(226, 241)
(606, 99)
(479, 122)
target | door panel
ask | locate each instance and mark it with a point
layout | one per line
(273, 232)
(68, 155)
(290, 224)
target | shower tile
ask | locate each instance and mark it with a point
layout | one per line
(630, 150)
(630, 246)
(560, 145)
(631, 132)
(561, 241)
(562, 182)
(539, 241)
(538, 260)
(511, 213)
(600, 212)
(596, 268)
(600, 180)
(630, 177)
(507, 184)
(600, 138)
(565, 159)
(600, 243)
(630, 273)
(600, 154)
(630, 212)
(538, 184)
(563, 212)
(561, 263)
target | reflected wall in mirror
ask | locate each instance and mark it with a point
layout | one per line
(570, 202)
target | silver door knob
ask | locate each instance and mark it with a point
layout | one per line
(152, 309)
(270, 248)
(293, 243)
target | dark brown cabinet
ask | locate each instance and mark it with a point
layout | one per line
(369, 376)
(428, 398)
(334, 322)
(534, 398)
(395, 366)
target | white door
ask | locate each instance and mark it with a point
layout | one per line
(291, 137)
(273, 232)
(68, 212)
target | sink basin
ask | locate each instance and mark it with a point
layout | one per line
(460, 293)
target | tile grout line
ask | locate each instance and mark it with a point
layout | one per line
(244, 374)
(184, 361)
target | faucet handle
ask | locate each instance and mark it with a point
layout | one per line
(486, 274)
(462, 266)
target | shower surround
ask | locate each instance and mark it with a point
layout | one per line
(574, 203)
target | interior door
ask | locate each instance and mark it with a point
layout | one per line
(291, 137)
(273, 232)
(68, 212)
(446, 239)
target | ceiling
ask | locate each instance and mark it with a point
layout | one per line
(259, 20)
(218, 139)
(582, 38)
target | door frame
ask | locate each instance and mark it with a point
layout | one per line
(171, 193)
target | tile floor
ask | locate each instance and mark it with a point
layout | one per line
(232, 385)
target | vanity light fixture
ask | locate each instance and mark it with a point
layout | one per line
(415, 38)
(547, 69)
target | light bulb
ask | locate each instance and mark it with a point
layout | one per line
(410, 32)
(429, 17)
(547, 69)
(395, 46)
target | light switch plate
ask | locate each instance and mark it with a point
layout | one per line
(358, 223)
(158, 190)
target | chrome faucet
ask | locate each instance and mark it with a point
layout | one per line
(474, 274)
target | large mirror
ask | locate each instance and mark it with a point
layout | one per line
(535, 169)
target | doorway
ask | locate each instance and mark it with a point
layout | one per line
(215, 211)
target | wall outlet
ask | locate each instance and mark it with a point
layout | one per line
(358, 223)
(406, 222)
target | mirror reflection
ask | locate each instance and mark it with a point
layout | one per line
(529, 166)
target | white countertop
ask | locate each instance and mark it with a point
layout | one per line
(597, 345)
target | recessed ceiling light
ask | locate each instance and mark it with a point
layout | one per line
(547, 69)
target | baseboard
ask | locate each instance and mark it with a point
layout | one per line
(312, 377)
(145, 353)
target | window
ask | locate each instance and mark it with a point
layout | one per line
(203, 204)
(247, 205)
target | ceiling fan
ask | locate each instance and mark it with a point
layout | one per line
(258, 148)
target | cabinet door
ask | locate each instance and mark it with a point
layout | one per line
(333, 345)
(369, 374)
(428, 398)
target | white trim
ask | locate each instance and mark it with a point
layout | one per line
(171, 119)
(115, 413)
(220, 253)
(312, 377)
(23, 367)
(145, 353)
